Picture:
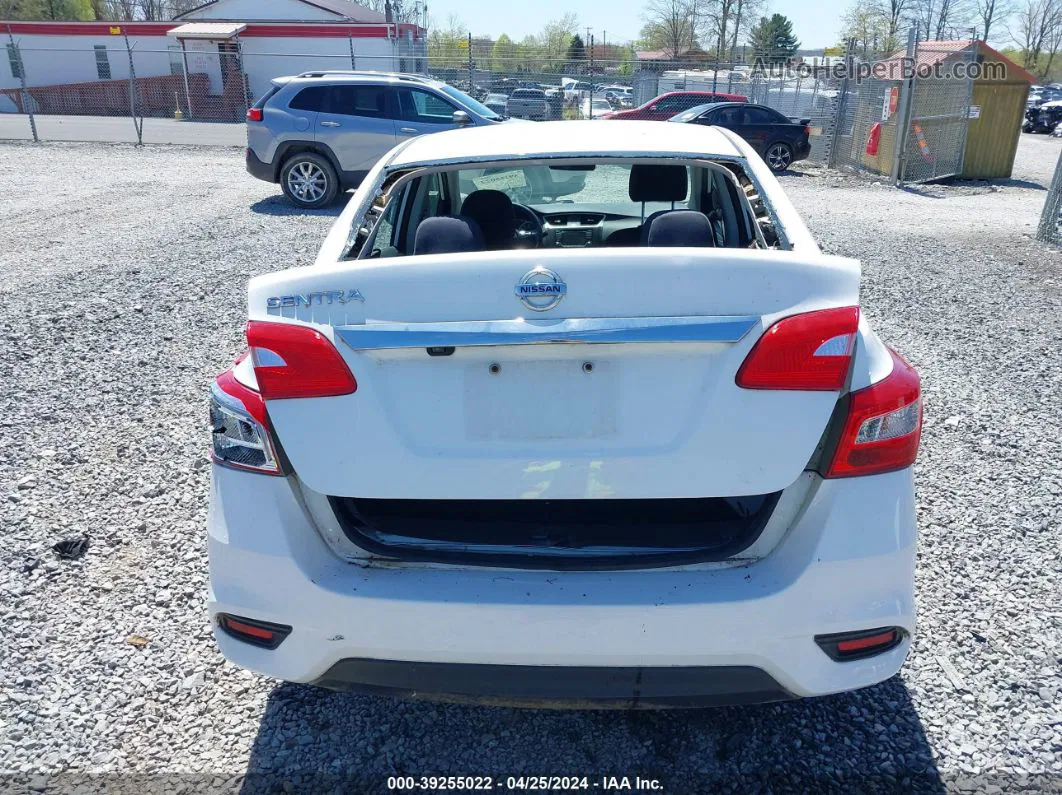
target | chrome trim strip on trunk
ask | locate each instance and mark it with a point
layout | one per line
(481, 333)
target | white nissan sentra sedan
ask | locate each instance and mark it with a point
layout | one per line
(630, 446)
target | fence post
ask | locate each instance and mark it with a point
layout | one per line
(969, 99)
(132, 92)
(470, 67)
(903, 112)
(27, 100)
(841, 108)
(184, 73)
(243, 74)
(590, 75)
(1047, 231)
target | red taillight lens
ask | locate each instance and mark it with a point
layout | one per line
(883, 426)
(296, 362)
(811, 351)
(254, 114)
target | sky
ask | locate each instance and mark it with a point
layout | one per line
(816, 24)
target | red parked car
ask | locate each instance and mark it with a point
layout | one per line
(667, 105)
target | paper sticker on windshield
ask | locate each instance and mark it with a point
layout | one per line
(504, 180)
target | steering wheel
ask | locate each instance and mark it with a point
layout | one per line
(528, 233)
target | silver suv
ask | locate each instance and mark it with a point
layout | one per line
(319, 133)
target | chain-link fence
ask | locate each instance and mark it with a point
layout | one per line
(187, 92)
(1050, 229)
(198, 91)
(939, 112)
(860, 138)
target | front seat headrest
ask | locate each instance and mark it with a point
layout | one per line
(446, 235)
(493, 211)
(681, 228)
(653, 183)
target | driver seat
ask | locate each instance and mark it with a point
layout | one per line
(492, 210)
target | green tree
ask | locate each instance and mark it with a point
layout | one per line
(448, 45)
(46, 9)
(502, 54)
(576, 49)
(772, 39)
(576, 56)
(554, 39)
(670, 25)
(865, 23)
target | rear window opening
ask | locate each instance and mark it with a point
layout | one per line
(539, 204)
(556, 534)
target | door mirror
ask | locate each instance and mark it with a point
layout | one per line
(461, 119)
(652, 107)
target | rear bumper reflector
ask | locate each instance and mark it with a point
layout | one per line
(844, 646)
(250, 630)
(481, 333)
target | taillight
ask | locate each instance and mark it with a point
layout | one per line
(296, 362)
(807, 130)
(883, 425)
(239, 427)
(254, 114)
(810, 351)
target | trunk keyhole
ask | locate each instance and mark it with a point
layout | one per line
(495, 368)
(588, 367)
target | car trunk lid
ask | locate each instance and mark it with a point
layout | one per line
(625, 388)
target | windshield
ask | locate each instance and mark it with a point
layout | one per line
(478, 107)
(603, 187)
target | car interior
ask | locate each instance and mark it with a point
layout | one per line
(568, 205)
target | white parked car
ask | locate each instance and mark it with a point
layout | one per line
(596, 108)
(636, 446)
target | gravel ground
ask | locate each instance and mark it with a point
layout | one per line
(122, 295)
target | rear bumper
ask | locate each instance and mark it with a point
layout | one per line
(258, 168)
(544, 686)
(847, 563)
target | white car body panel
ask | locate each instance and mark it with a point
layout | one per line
(470, 437)
(658, 419)
(847, 562)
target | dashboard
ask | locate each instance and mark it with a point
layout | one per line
(574, 228)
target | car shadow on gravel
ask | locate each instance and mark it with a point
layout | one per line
(313, 740)
(278, 205)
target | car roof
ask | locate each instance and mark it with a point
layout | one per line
(589, 138)
(698, 93)
(711, 105)
(343, 76)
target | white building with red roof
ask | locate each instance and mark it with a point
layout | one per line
(211, 61)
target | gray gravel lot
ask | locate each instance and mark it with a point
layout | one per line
(121, 295)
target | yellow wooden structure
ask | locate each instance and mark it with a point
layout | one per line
(998, 101)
